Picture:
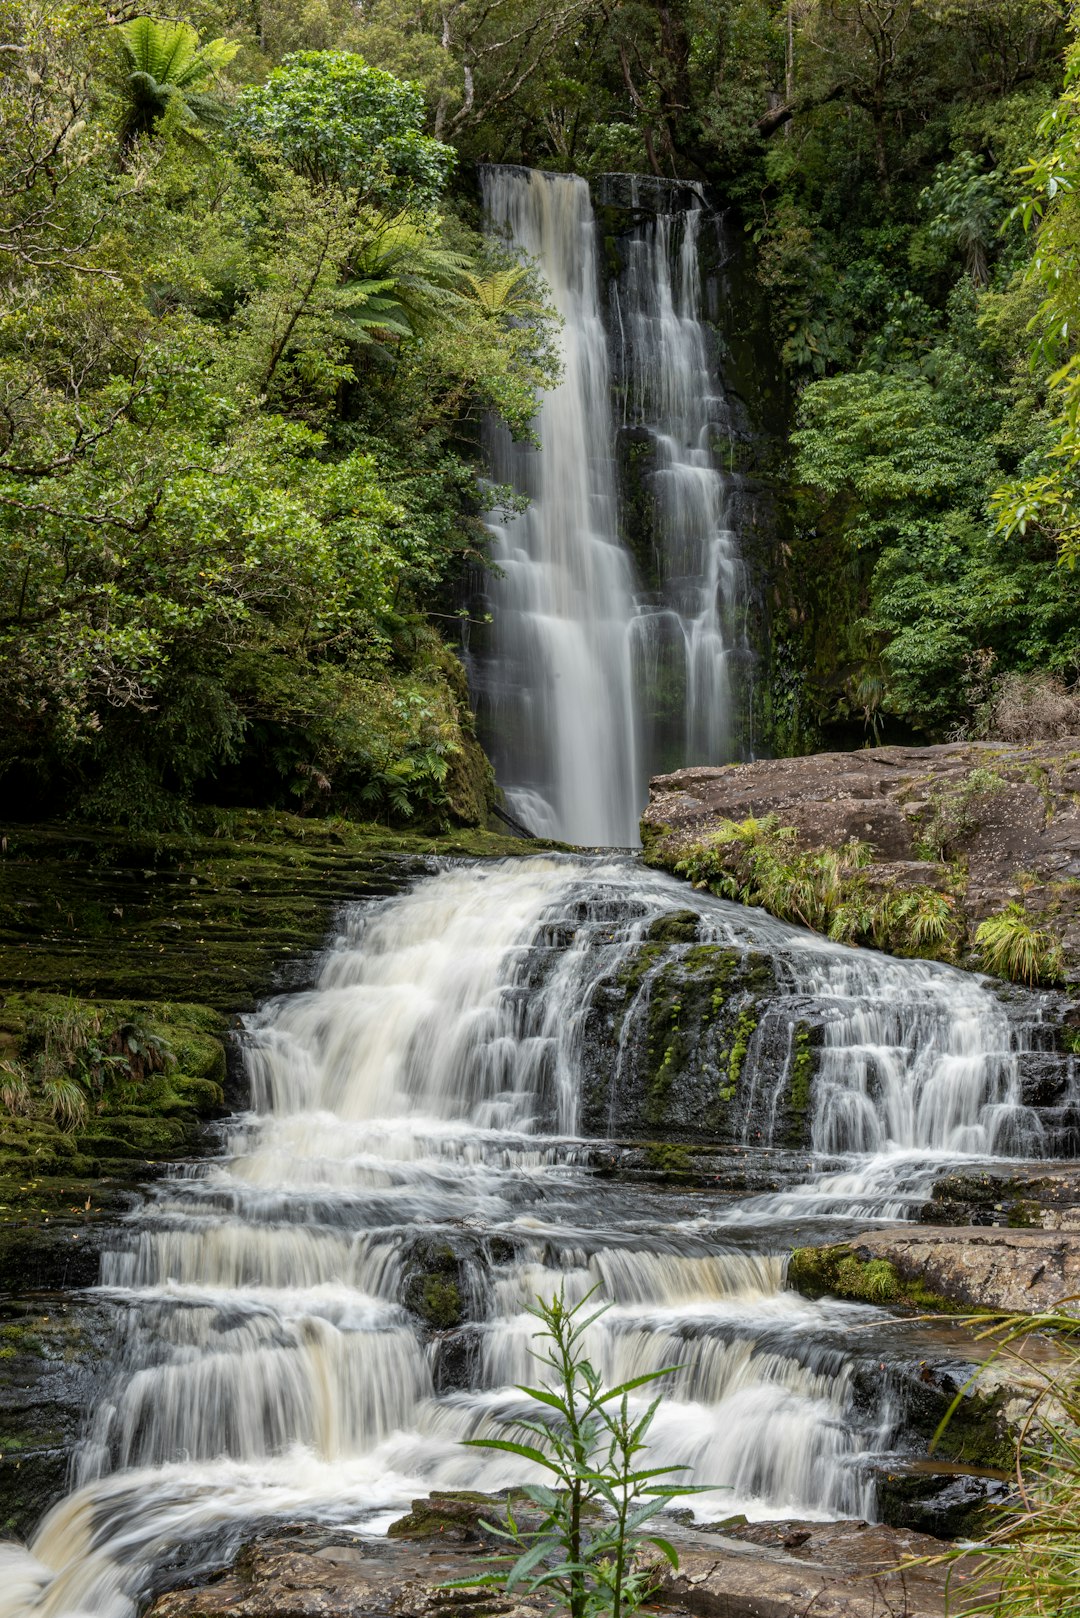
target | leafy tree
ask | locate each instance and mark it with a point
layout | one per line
(1045, 499)
(339, 122)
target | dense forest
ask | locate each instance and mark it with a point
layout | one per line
(251, 329)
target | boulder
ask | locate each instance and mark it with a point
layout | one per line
(982, 1267)
(1003, 819)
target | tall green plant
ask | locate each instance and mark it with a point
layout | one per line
(586, 1546)
(1028, 1564)
(165, 71)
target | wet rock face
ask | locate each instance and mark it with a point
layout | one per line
(995, 823)
(685, 1042)
(50, 1352)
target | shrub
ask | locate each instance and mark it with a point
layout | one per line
(1032, 707)
(1009, 945)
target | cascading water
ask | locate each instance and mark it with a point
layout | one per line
(691, 644)
(600, 676)
(565, 732)
(413, 1144)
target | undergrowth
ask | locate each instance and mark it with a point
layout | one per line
(1011, 945)
(1029, 1562)
(68, 1056)
(759, 862)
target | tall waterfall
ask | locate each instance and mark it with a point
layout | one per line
(601, 675)
(690, 638)
(419, 1109)
(566, 733)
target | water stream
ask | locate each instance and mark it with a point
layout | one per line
(414, 1134)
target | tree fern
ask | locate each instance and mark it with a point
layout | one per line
(166, 72)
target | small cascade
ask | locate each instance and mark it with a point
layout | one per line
(599, 676)
(414, 1153)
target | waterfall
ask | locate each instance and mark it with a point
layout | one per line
(690, 640)
(600, 676)
(564, 723)
(415, 1125)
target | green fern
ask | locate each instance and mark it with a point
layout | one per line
(165, 73)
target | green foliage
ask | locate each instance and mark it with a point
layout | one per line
(900, 468)
(1029, 1561)
(1045, 498)
(165, 75)
(966, 208)
(1011, 945)
(758, 862)
(589, 1439)
(339, 122)
(237, 459)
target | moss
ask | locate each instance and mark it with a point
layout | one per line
(207, 916)
(840, 1272)
(668, 1158)
(666, 1046)
(745, 1026)
(679, 927)
(803, 1064)
(438, 1301)
(636, 968)
(453, 1514)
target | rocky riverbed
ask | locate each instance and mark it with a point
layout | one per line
(705, 1049)
(738, 1570)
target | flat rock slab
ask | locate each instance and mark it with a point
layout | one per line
(764, 1570)
(818, 1570)
(987, 1267)
(1015, 826)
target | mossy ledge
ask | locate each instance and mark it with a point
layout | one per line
(121, 956)
(841, 1271)
(207, 916)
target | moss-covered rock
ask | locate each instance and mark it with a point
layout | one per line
(219, 916)
(451, 1514)
(87, 1085)
(434, 1283)
(671, 1035)
(840, 1271)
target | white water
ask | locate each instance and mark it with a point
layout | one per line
(427, 1088)
(566, 731)
(595, 683)
(692, 640)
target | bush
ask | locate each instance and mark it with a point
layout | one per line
(1010, 946)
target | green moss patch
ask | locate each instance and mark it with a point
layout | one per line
(840, 1272)
(85, 1085)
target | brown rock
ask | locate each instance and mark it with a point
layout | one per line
(1015, 1271)
(820, 1570)
(1019, 840)
(756, 1570)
